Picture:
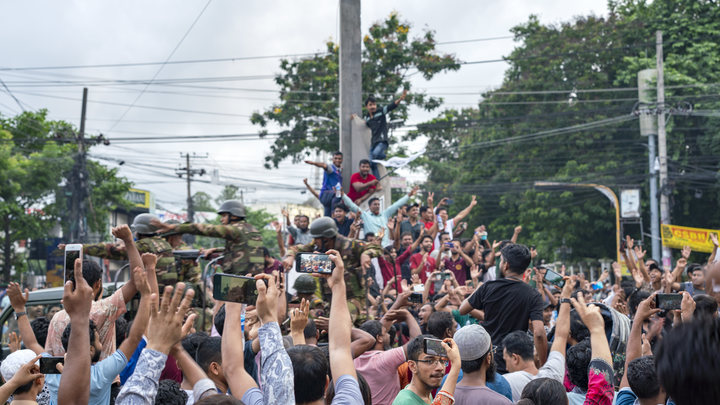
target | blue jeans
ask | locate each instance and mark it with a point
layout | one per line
(329, 201)
(377, 152)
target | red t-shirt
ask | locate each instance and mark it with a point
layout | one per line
(356, 177)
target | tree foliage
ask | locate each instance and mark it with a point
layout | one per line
(498, 150)
(36, 158)
(308, 106)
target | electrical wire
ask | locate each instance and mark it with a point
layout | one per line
(187, 32)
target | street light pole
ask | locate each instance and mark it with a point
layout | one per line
(606, 191)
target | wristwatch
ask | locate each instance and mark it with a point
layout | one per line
(19, 314)
(565, 301)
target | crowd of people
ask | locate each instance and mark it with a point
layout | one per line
(512, 330)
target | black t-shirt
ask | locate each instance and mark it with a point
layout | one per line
(508, 305)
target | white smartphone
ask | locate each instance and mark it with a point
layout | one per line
(72, 252)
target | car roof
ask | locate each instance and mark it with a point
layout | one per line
(55, 294)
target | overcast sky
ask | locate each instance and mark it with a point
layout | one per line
(62, 33)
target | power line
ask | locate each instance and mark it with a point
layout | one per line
(161, 66)
(12, 95)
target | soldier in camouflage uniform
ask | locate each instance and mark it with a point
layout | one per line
(189, 272)
(243, 246)
(147, 242)
(355, 253)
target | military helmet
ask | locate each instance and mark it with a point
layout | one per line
(232, 207)
(324, 227)
(141, 224)
(305, 284)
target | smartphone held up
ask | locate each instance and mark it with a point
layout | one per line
(319, 263)
(72, 252)
(232, 288)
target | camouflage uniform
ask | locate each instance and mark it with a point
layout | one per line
(243, 246)
(350, 250)
(165, 268)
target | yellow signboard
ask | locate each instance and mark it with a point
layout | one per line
(140, 198)
(698, 239)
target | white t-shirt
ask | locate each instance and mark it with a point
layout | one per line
(553, 368)
(448, 228)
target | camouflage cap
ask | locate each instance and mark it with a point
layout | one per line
(305, 284)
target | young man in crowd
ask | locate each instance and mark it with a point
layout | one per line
(340, 215)
(510, 303)
(447, 224)
(376, 120)
(374, 220)
(379, 365)
(478, 366)
(458, 262)
(412, 224)
(421, 263)
(363, 184)
(301, 231)
(441, 251)
(519, 351)
(332, 178)
(104, 311)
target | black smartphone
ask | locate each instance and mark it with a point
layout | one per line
(48, 365)
(314, 263)
(554, 278)
(432, 347)
(668, 302)
(416, 298)
(232, 288)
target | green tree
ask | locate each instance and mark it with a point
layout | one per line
(229, 192)
(36, 158)
(202, 201)
(307, 109)
(498, 150)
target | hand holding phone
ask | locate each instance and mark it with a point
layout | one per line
(554, 278)
(668, 302)
(72, 252)
(48, 365)
(433, 347)
(232, 288)
(319, 263)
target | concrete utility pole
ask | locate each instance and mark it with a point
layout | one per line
(79, 183)
(350, 82)
(189, 173)
(662, 145)
(649, 128)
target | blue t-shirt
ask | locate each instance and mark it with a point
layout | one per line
(500, 385)
(627, 397)
(130, 367)
(102, 374)
(331, 177)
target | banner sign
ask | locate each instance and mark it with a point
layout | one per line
(698, 239)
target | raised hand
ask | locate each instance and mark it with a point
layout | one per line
(646, 309)
(123, 232)
(473, 202)
(629, 242)
(414, 191)
(17, 299)
(166, 320)
(518, 229)
(299, 316)
(639, 252)
(266, 304)
(686, 250)
(713, 239)
(14, 342)
(687, 307)
(78, 295)
(590, 315)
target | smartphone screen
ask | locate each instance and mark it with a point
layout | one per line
(72, 252)
(554, 278)
(432, 347)
(668, 302)
(314, 263)
(232, 288)
(415, 297)
(48, 365)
